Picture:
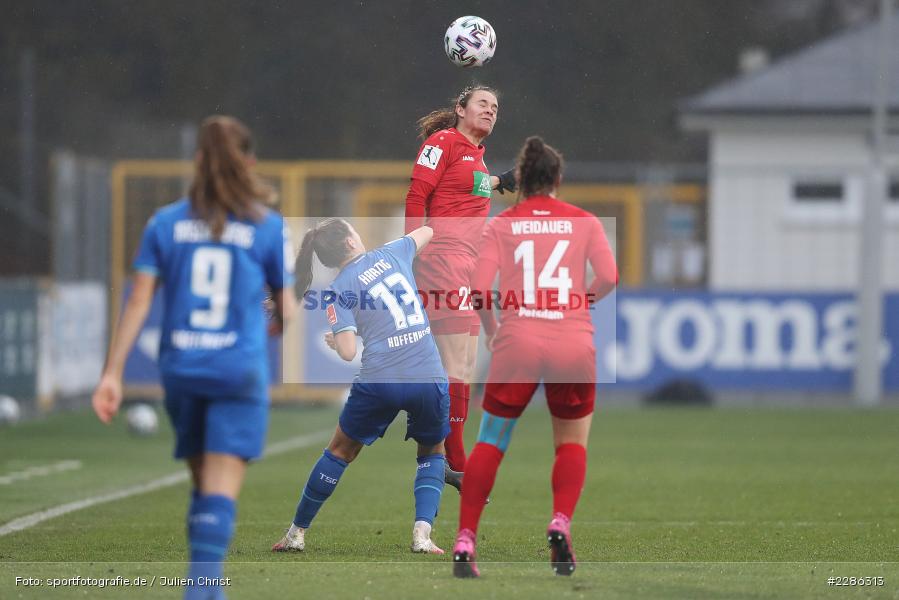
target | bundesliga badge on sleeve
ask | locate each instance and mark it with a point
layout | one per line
(430, 156)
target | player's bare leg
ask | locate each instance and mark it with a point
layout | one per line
(222, 475)
(569, 470)
(195, 465)
(343, 446)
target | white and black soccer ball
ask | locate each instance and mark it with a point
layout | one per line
(470, 42)
(9, 411)
(142, 420)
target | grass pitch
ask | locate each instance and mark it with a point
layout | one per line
(686, 503)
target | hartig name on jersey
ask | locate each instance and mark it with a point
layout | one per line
(369, 275)
(534, 227)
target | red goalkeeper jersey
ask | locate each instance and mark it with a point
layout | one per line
(457, 208)
(541, 248)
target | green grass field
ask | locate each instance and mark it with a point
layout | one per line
(678, 504)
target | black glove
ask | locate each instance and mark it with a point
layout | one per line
(507, 182)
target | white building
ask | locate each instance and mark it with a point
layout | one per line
(789, 147)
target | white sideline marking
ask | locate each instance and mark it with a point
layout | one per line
(41, 471)
(300, 441)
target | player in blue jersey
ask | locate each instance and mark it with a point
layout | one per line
(374, 296)
(214, 253)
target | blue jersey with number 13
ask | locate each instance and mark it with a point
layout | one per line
(376, 297)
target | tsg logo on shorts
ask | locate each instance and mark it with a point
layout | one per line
(430, 156)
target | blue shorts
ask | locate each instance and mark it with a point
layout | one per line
(225, 425)
(372, 407)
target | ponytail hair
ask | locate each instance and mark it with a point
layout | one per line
(444, 118)
(223, 183)
(538, 168)
(328, 241)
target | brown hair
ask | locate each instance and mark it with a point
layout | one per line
(328, 241)
(444, 118)
(223, 182)
(538, 168)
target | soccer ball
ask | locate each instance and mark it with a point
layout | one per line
(470, 42)
(142, 420)
(9, 411)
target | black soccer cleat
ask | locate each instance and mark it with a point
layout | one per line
(453, 478)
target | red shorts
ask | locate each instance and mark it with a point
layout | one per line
(566, 365)
(445, 285)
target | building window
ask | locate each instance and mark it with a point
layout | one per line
(830, 199)
(830, 192)
(893, 191)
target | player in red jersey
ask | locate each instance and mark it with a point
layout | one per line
(451, 188)
(540, 247)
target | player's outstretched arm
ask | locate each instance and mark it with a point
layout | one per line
(416, 203)
(108, 396)
(421, 236)
(345, 345)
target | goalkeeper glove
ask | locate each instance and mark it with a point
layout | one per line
(507, 182)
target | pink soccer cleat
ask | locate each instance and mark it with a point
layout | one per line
(463, 555)
(561, 552)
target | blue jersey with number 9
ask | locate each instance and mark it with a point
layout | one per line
(213, 324)
(375, 295)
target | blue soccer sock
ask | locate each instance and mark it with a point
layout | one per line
(428, 487)
(210, 526)
(321, 483)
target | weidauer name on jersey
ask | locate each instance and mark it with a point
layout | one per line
(534, 227)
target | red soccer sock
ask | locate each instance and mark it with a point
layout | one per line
(569, 472)
(455, 443)
(480, 474)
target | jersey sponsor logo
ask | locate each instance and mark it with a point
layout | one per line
(332, 315)
(430, 156)
(183, 339)
(403, 339)
(481, 185)
(468, 158)
(541, 213)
